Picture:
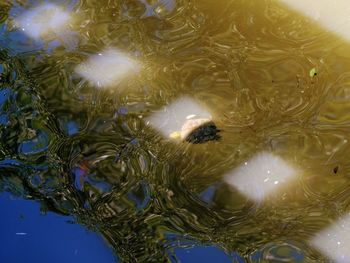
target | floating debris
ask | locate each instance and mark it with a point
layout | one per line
(185, 120)
(191, 125)
(197, 131)
(335, 169)
(202, 133)
(313, 72)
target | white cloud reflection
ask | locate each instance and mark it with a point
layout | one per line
(107, 68)
(331, 15)
(261, 176)
(334, 241)
(42, 20)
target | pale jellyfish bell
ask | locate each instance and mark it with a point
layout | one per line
(108, 68)
(43, 20)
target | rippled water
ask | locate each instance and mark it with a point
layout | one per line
(86, 151)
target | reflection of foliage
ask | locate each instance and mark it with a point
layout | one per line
(105, 179)
(4, 10)
(112, 173)
(114, 176)
(24, 133)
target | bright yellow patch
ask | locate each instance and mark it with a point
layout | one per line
(175, 135)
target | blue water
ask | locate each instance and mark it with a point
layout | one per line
(28, 235)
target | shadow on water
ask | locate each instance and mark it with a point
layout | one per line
(88, 153)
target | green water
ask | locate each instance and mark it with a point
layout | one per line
(248, 61)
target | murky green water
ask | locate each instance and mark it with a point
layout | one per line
(87, 152)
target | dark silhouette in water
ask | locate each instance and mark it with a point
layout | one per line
(204, 133)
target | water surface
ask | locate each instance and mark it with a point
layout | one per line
(274, 80)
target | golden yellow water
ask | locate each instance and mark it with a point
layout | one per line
(248, 61)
